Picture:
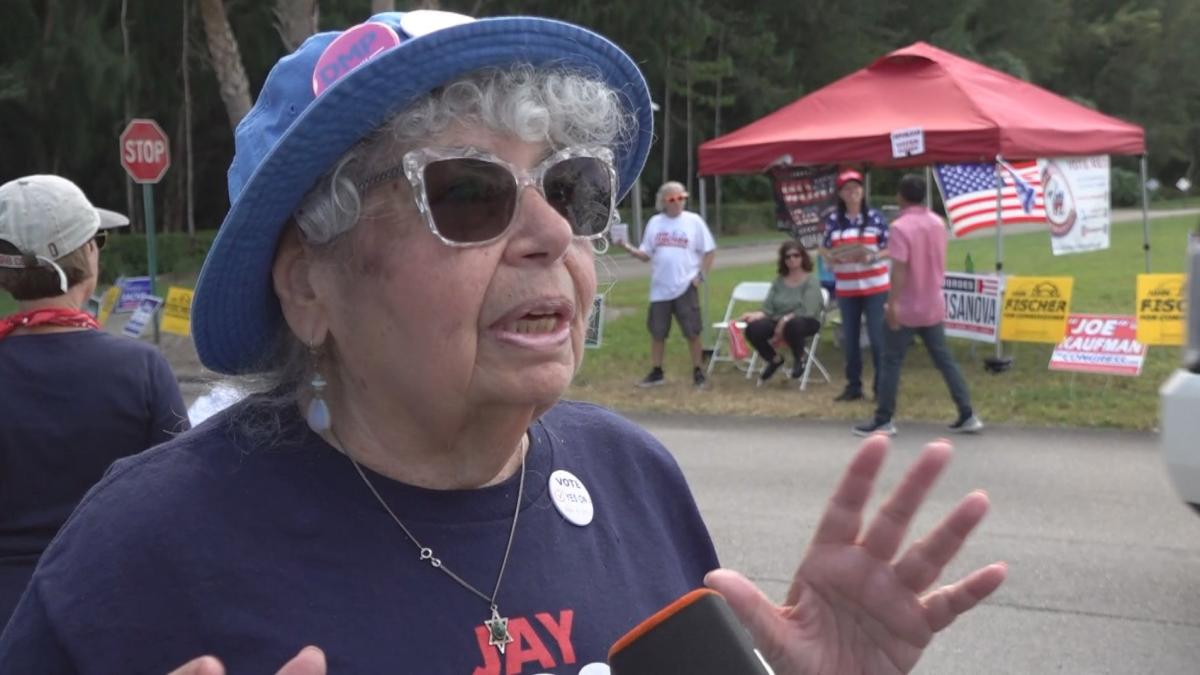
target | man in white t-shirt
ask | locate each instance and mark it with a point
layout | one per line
(680, 250)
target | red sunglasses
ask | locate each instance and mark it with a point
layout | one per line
(677, 198)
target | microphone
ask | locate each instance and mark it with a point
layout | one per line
(696, 634)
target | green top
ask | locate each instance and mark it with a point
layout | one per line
(802, 300)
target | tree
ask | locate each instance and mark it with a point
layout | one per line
(226, 61)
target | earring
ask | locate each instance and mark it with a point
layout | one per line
(600, 245)
(318, 417)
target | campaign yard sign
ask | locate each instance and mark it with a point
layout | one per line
(177, 313)
(1035, 309)
(1100, 343)
(133, 291)
(1161, 309)
(142, 316)
(972, 306)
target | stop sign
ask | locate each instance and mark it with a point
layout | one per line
(145, 151)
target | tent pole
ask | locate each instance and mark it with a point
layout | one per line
(704, 284)
(999, 239)
(1145, 216)
(928, 188)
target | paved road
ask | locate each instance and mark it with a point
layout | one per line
(623, 267)
(1104, 561)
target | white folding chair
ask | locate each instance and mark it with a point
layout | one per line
(812, 359)
(746, 291)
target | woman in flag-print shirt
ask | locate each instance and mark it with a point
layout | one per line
(855, 246)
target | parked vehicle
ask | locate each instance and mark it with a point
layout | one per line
(1180, 397)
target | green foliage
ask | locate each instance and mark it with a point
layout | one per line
(66, 87)
(178, 255)
(1125, 187)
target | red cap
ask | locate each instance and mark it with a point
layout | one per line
(848, 175)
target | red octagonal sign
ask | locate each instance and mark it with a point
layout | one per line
(145, 151)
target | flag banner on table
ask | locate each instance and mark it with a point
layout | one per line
(803, 195)
(969, 193)
(1100, 343)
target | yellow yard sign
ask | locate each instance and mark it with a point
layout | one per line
(177, 312)
(107, 302)
(1161, 309)
(1035, 308)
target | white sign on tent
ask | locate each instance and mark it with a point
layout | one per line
(1077, 197)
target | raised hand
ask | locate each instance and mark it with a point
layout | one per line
(853, 607)
(310, 661)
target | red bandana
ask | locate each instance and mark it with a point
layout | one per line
(46, 317)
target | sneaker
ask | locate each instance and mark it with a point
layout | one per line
(849, 395)
(698, 378)
(770, 370)
(874, 427)
(797, 371)
(967, 424)
(654, 379)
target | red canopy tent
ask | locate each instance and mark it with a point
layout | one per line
(968, 112)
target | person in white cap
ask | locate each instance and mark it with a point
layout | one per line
(407, 267)
(73, 398)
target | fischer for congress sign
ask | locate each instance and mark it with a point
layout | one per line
(1036, 309)
(972, 305)
(1100, 343)
(1161, 309)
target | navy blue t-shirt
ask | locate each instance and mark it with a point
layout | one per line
(71, 404)
(208, 544)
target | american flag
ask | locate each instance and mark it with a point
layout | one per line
(969, 193)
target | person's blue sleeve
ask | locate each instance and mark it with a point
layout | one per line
(168, 414)
(30, 643)
(882, 225)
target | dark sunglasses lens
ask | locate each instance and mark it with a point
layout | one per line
(101, 239)
(471, 200)
(581, 190)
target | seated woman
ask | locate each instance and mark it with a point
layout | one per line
(791, 312)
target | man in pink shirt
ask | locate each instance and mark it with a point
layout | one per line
(916, 306)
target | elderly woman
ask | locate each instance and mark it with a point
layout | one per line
(408, 264)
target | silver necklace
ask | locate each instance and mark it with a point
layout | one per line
(498, 635)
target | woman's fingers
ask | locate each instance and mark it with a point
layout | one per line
(754, 610)
(843, 515)
(924, 561)
(945, 604)
(310, 661)
(889, 526)
(205, 665)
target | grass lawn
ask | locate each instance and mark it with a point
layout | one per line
(1029, 394)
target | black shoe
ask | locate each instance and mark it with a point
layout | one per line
(654, 379)
(849, 395)
(698, 378)
(874, 427)
(770, 370)
(967, 424)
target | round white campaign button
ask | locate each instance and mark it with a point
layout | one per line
(571, 498)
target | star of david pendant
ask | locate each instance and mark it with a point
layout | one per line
(498, 630)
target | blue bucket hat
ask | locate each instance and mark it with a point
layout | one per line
(292, 136)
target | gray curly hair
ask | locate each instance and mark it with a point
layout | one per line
(562, 108)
